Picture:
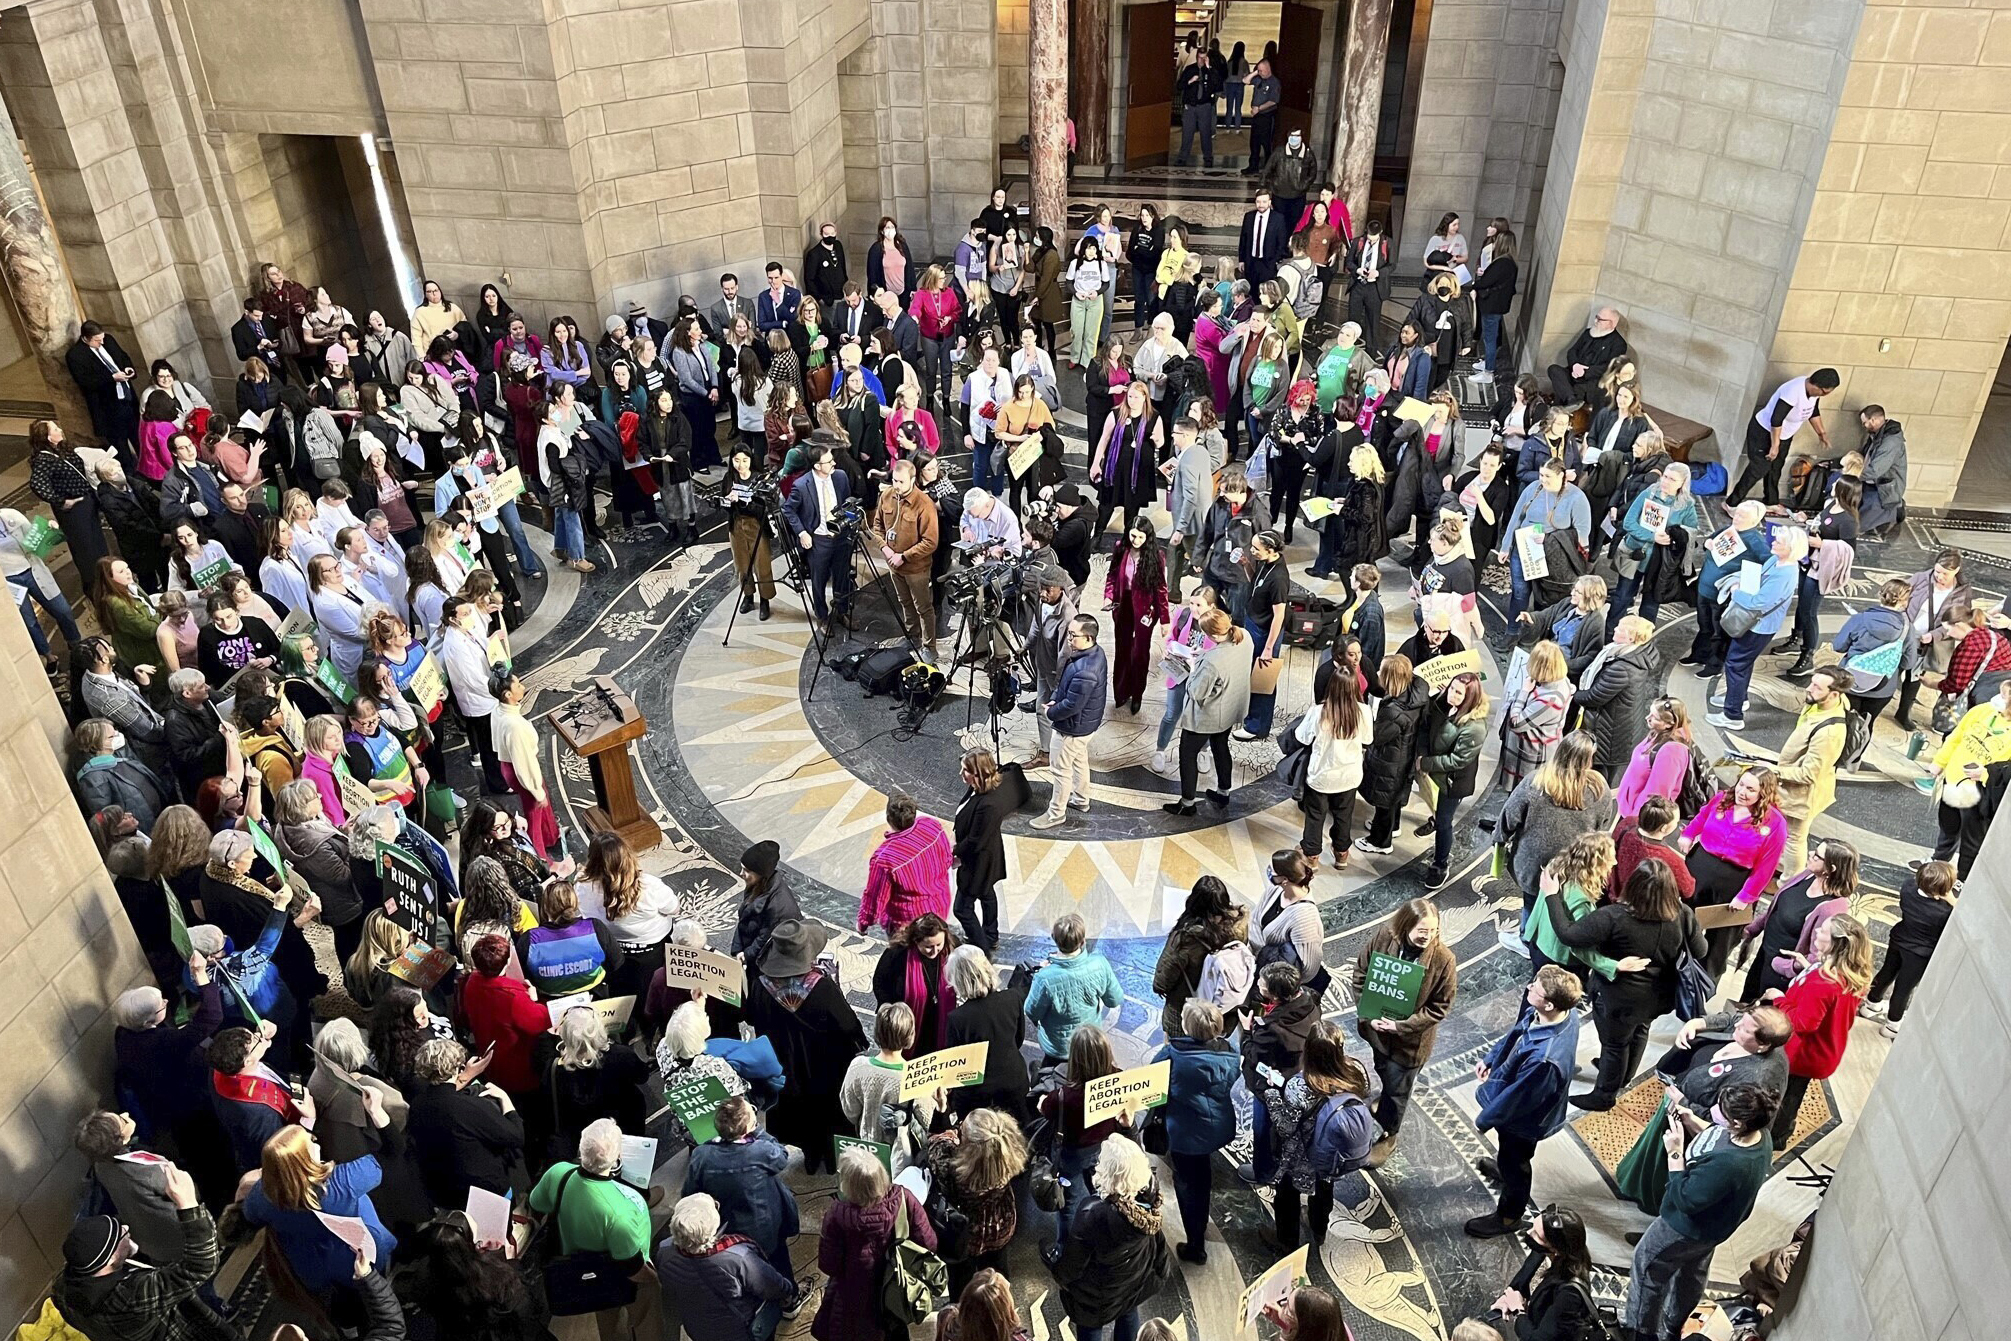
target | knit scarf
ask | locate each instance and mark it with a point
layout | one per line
(916, 992)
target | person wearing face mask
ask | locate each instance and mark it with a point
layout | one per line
(890, 264)
(1292, 174)
(1401, 1048)
(824, 266)
(106, 776)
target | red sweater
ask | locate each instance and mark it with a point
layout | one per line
(499, 1010)
(1822, 1014)
(1630, 849)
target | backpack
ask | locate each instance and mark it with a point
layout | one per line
(912, 1279)
(1595, 1328)
(953, 1226)
(1307, 290)
(1227, 976)
(1186, 379)
(1710, 481)
(1699, 785)
(1333, 1148)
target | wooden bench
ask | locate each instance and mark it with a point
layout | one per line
(1681, 435)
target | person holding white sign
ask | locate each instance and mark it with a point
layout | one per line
(1549, 503)
(297, 1194)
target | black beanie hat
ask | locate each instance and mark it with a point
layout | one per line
(90, 1244)
(762, 858)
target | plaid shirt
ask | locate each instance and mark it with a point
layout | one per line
(1980, 651)
(908, 875)
(140, 1303)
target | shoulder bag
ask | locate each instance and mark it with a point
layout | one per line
(579, 1283)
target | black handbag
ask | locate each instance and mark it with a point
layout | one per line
(579, 1283)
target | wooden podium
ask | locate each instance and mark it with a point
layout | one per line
(599, 723)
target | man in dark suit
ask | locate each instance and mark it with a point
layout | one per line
(853, 320)
(104, 373)
(1261, 245)
(819, 493)
(776, 306)
(907, 332)
(730, 304)
(253, 338)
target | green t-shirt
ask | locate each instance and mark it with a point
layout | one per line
(599, 1214)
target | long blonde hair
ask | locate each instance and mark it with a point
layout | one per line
(383, 942)
(1849, 959)
(1568, 778)
(1365, 463)
(288, 1171)
(991, 1151)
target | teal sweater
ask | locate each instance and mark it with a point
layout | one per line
(1712, 1195)
(1068, 992)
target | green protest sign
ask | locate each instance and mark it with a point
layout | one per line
(1392, 989)
(693, 1102)
(210, 574)
(262, 844)
(41, 537)
(877, 1149)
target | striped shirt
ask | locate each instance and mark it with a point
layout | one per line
(909, 875)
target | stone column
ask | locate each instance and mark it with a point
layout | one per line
(1092, 68)
(1047, 111)
(1368, 49)
(35, 277)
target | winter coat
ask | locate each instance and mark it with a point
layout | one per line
(758, 917)
(745, 1178)
(998, 1020)
(1586, 639)
(1449, 750)
(1386, 770)
(1410, 1046)
(1218, 689)
(1177, 975)
(1081, 689)
(1296, 1111)
(993, 1212)
(114, 780)
(1867, 631)
(815, 1042)
(1068, 992)
(499, 1010)
(852, 1247)
(1200, 1115)
(1536, 828)
(1116, 1259)
(1615, 701)
(139, 1303)
(1278, 1036)
(1613, 929)
(715, 1294)
(1530, 1071)
(1531, 725)
(462, 1139)
(320, 852)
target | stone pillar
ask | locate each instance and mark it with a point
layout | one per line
(1047, 111)
(36, 278)
(1368, 49)
(1092, 67)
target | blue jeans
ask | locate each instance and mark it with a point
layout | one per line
(1072, 1163)
(1808, 614)
(1441, 843)
(1169, 725)
(57, 606)
(1232, 108)
(1739, 659)
(1490, 339)
(1518, 586)
(766, 1319)
(1258, 722)
(567, 536)
(513, 525)
(1124, 1329)
(982, 474)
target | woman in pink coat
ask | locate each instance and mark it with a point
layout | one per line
(1210, 330)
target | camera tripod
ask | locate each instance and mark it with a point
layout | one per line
(795, 576)
(982, 618)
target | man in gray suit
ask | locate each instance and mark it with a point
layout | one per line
(1191, 473)
(719, 317)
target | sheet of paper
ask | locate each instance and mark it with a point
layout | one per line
(1273, 1286)
(559, 1005)
(351, 1231)
(638, 1160)
(490, 1216)
(1749, 577)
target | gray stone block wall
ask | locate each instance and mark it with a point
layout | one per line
(1913, 1240)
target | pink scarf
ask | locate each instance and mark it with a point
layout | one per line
(916, 992)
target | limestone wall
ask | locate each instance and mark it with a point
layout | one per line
(68, 951)
(1012, 59)
(1913, 1241)
(1903, 282)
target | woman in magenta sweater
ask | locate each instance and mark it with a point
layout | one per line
(1822, 1005)
(1661, 760)
(1732, 848)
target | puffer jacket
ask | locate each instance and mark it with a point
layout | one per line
(1200, 1116)
(320, 851)
(1616, 701)
(1386, 772)
(1449, 750)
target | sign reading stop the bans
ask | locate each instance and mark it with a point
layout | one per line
(1391, 990)
(877, 1149)
(949, 1068)
(721, 977)
(408, 889)
(1121, 1091)
(694, 1103)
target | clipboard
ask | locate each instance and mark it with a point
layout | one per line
(1721, 915)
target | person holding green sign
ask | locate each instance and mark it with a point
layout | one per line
(1405, 980)
(23, 545)
(742, 1170)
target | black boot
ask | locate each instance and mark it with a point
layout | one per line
(765, 611)
(747, 601)
(1804, 665)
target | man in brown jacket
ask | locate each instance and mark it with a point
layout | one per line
(906, 521)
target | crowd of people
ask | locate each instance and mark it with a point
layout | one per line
(297, 608)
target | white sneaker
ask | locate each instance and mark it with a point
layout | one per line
(1049, 822)
(1890, 1028)
(1871, 1010)
(1161, 764)
(1724, 723)
(1364, 845)
(1717, 700)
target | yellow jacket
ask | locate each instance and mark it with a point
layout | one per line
(1983, 736)
(1172, 263)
